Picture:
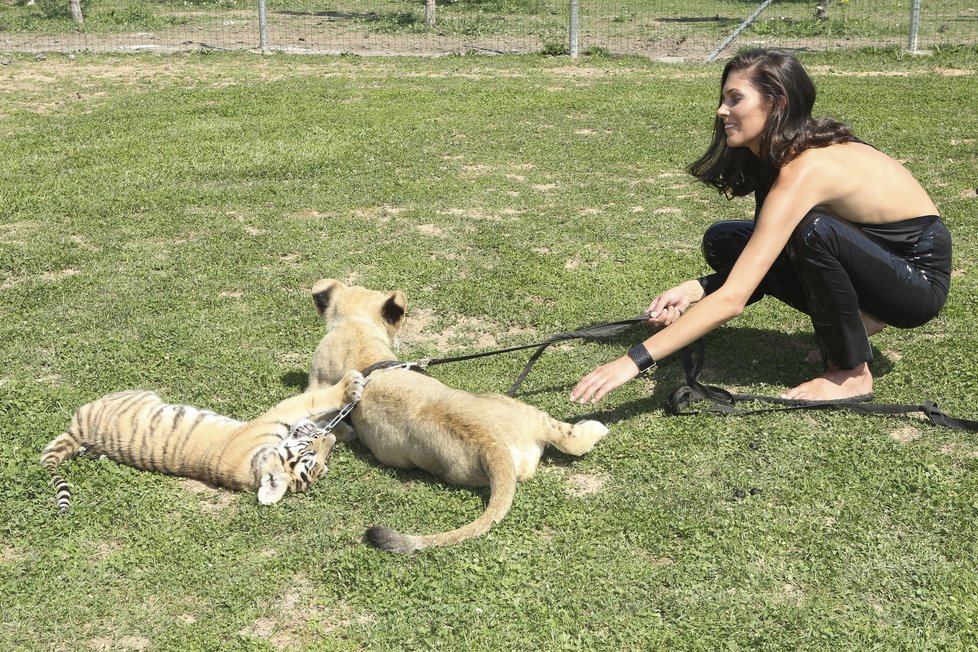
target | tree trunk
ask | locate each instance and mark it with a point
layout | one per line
(76, 12)
(429, 13)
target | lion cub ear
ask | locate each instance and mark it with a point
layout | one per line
(322, 294)
(394, 308)
(273, 487)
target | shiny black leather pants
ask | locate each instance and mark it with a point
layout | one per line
(832, 269)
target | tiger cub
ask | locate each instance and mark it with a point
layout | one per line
(278, 451)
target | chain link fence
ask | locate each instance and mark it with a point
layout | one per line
(687, 29)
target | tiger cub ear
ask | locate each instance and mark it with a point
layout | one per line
(273, 487)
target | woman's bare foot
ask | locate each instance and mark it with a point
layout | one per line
(870, 323)
(835, 384)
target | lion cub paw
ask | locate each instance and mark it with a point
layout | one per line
(344, 432)
(582, 437)
(354, 385)
(590, 428)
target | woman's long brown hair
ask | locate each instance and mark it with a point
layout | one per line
(789, 131)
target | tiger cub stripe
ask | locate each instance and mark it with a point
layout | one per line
(279, 451)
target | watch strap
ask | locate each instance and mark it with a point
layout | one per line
(641, 357)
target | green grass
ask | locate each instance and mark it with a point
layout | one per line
(161, 222)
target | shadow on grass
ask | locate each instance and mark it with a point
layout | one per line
(735, 358)
(396, 18)
(698, 19)
(338, 15)
(408, 477)
(296, 379)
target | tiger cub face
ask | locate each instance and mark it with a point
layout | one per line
(295, 464)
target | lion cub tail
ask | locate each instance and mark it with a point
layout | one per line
(498, 464)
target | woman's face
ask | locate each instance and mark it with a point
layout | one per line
(744, 112)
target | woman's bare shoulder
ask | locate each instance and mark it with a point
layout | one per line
(857, 182)
(810, 164)
(840, 162)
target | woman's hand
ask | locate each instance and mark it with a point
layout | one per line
(664, 309)
(671, 304)
(602, 380)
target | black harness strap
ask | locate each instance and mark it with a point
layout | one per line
(387, 364)
(724, 402)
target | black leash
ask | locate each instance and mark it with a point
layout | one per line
(593, 332)
(588, 333)
(725, 402)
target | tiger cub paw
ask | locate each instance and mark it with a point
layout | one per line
(303, 428)
(344, 432)
(354, 385)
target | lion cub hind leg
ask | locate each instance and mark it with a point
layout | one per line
(579, 438)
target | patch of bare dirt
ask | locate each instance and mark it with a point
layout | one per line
(292, 616)
(895, 356)
(418, 334)
(83, 243)
(960, 451)
(59, 275)
(953, 72)
(906, 434)
(212, 499)
(430, 230)
(580, 485)
(9, 555)
(381, 214)
(414, 333)
(137, 643)
(18, 233)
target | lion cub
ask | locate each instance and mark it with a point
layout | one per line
(410, 420)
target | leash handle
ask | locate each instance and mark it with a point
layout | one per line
(724, 402)
(594, 331)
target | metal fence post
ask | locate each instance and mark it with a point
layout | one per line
(572, 30)
(914, 24)
(744, 25)
(262, 27)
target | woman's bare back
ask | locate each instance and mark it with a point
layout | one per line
(865, 185)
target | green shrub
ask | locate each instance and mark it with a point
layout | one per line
(554, 49)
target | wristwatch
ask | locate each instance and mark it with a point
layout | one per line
(641, 357)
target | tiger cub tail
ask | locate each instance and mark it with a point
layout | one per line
(63, 447)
